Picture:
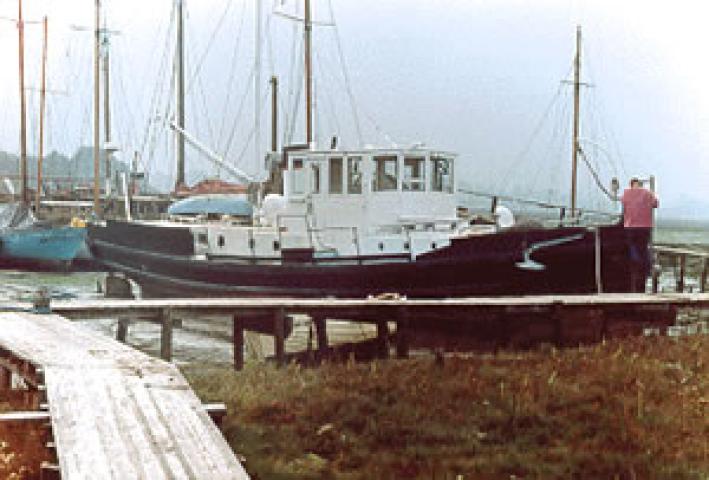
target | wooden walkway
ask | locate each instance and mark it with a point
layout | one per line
(499, 321)
(115, 413)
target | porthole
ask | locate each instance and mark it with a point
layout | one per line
(381, 246)
(276, 245)
(220, 240)
(407, 246)
(433, 245)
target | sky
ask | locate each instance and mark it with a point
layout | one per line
(481, 78)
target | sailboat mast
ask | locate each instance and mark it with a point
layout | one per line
(257, 89)
(106, 109)
(97, 112)
(42, 109)
(23, 108)
(180, 95)
(308, 76)
(577, 106)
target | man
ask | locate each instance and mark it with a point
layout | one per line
(638, 204)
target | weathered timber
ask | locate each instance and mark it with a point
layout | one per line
(166, 335)
(115, 412)
(238, 340)
(320, 323)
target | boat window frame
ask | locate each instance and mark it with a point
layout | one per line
(438, 183)
(334, 160)
(359, 184)
(419, 181)
(377, 175)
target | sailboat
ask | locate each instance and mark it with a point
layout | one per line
(25, 241)
(354, 223)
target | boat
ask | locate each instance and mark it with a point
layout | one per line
(26, 241)
(359, 223)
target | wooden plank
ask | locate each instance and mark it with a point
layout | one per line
(29, 416)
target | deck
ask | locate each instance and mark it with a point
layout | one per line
(115, 413)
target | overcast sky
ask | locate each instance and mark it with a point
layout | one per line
(479, 77)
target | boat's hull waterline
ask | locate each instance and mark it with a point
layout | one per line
(164, 265)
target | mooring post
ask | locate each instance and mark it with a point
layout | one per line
(166, 334)
(320, 323)
(238, 339)
(279, 341)
(703, 279)
(402, 333)
(122, 330)
(655, 280)
(680, 278)
(383, 339)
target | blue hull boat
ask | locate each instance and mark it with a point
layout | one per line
(26, 242)
(41, 244)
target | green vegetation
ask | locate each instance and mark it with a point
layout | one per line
(636, 408)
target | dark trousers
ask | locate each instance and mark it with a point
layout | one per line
(638, 240)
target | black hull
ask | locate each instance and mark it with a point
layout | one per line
(474, 266)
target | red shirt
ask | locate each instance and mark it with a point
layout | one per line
(637, 207)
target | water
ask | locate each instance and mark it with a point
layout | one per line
(205, 339)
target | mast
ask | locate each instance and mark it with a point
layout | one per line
(23, 114)
(42, 107)
(257, 90)
(577, 103)
(106, 110)
(97, 113)
(274, 113)
(308, 76)
(180, 95)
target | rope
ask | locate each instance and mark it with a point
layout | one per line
(345, 74)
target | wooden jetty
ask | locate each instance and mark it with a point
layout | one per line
(499, 322)
(113, 412)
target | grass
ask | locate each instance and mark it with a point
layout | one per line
(630, 409)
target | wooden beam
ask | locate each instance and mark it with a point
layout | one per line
(402, 333)
(383, 338)
(50, 471)
(24, 416)
(320, 323)
(703, 278)
(166, 335)
(122, 329)
(279, 319)
(216, 411)
(682, 267)
(238, 340)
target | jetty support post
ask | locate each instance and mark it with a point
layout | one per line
(122, 329)
(279, 337)
(382, 339)
(703, 278)
(402, 332)
(166, 334)
(682, 260)
(238, 340)
(320, 322)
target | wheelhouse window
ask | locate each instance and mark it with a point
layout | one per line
(386, 173)
(336, 176)
(442, 174)
(354, 175)
(298, 176)
(414, 174)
